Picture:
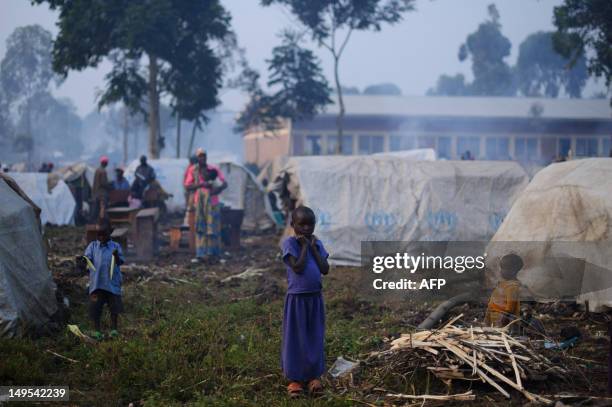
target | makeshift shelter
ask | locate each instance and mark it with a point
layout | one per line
(57, 205)
(79, 178)
(271, 170)
(417, 154)
(27, 291)
(370, 198)
(561, 225)
(243, 191)
(79, 174)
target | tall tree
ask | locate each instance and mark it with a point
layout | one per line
(585, 27)
(26, 73)
(299, 86)
(450, 86)
(331, 23)
(383, 89)
(487, 47)
(541, 71)
(175, 38)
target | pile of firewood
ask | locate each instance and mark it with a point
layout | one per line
(487, 354)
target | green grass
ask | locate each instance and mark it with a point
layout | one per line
(175, 349)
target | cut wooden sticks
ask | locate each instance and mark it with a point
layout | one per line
(491, 355)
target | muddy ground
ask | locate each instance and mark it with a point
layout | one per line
(193, 335)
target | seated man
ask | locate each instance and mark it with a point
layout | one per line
(120, 190)
(120, 183)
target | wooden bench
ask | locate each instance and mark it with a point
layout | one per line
(118, 198)
(146, 233)
(124, 217)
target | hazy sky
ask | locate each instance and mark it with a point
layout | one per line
(411, 54)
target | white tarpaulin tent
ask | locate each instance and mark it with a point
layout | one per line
(565, 213)
(27, 291)
(243, 191)
(417, 154)
(57, 205)
(366, 198)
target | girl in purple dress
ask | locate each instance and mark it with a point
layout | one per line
(303, 353)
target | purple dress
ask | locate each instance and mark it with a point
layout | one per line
(303, 353)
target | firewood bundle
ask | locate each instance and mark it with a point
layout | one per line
(488, 354)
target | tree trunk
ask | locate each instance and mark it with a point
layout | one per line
(178, 135)
(125, 135)
(153, 108)
(193, 133)
(29, 142)
(340, 118)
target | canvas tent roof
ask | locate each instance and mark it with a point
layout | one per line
(243, 191)
(27, 291)
(473, 106)
(565, 213)
(365, 198)
(71, 173)
(57, 205)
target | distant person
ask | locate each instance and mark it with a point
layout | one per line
(504, 304)
(193, 160)
(43, 168)
(206, 182)
(120, 183)
(49, 167)
(467, 156)
(103, 258)
(303, 343)
(143, 176)
(100, 189)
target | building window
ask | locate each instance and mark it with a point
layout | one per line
(586, 147)
(371, 144)
(347, 144)
(427, 142)
(497, 148)
(298, 144)
(444, 147)
(400, 143)
(525, 148)
(565, 144)
(467, 144)
(313, 145)
(607, 146)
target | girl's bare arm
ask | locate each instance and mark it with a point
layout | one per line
(321, 262)
(298, 265)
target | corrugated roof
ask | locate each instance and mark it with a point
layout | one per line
(458, 106)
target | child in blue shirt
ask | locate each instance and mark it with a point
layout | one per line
(302, 353)
(104, 282)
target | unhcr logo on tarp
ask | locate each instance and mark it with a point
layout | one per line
(380, 221)
(442, 221)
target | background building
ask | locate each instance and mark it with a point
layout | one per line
(530, 130)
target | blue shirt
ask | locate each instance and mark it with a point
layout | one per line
(123, 185)
(309, 281)
(101, 256)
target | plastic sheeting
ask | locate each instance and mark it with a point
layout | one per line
(71, 173)
(243, 191)
(27, 291)
(57, 205)
(565, 213)
(417, 154)
(388, 198)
